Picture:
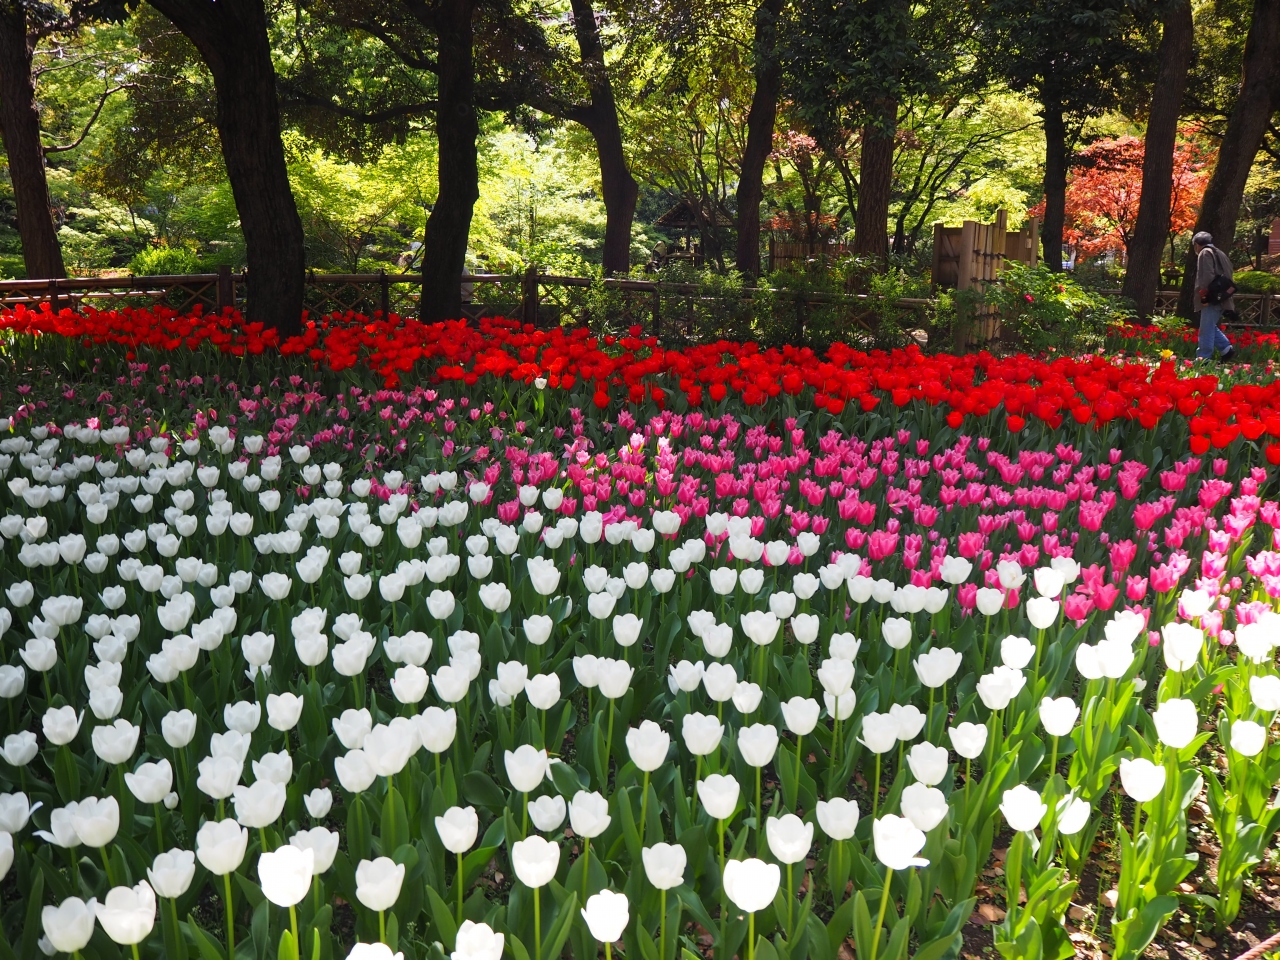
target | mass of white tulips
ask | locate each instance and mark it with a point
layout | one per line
(257, 706)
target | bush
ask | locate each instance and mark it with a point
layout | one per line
(164, 260)
(1042, 311)
(1257, 281)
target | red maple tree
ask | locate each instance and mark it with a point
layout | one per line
(1104, 191)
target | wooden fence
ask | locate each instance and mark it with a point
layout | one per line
(1255, 309)
(970, 256)
(674, 311)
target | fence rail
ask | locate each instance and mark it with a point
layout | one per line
(675, 311)
(1255, 309)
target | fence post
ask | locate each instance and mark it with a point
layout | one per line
(657, 312)
(529, 294)
(384, 288)
(226, 291)
(53, 294)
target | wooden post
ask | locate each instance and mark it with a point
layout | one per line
(226, 289)
(529, 294)
(935, 270)
(384, 288)
(657, 311)
(53, 294)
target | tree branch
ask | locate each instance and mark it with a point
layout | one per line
(102, 102)
(294, 97)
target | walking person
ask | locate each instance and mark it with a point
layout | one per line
(1214, 296)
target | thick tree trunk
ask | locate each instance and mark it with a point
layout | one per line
(231, 36)
(601, 120)
(1055, 183)
(760, 123)
(457, 130)
(1259, 94)
(20, 127)
(1146, 249)
(875, 182)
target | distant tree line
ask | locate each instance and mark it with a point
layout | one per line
(853, 80)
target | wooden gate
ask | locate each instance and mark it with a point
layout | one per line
(971, 256)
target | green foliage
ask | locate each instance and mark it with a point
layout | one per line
(163, 259)
(1257, 281)
(1042, 311)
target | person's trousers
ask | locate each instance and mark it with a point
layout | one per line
(1210, 335)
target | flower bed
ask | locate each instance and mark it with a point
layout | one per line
(311, 663)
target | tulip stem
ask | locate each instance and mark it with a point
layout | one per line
(799, 751)
(697, 775)
(662, 926)
(134, 947)
(991, 743)
(875, 796)
(884, 902)
(751, 936)
(106, 862)
(586, 865)
(537, 923)
(231, 927)
(524, 816)
(459, 882)
(720, 830)
(1053, 762)
(382, 926)
(791, 899)
(608, 747)
(173, 911)
(644, 806)
(968, 775)
(608, 951)
(759, 814)
(293, 925)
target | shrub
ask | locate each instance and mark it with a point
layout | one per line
(1257, 281)
(164, 260)
(1042, 310)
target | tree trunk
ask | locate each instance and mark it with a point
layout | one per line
(20, 127)
(231, 36)
(601, 120)
(1055, 183)
(457, 130)
(1260, 77)
(875, 182)
(1146, 249)
(760, 123)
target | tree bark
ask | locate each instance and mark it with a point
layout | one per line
(20, 128)
(1246, 126)
(761, 120)
(1146, 248)
(1055, 182)
(875, 182)
(600, 118)
(231, 36)
(457, 130)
